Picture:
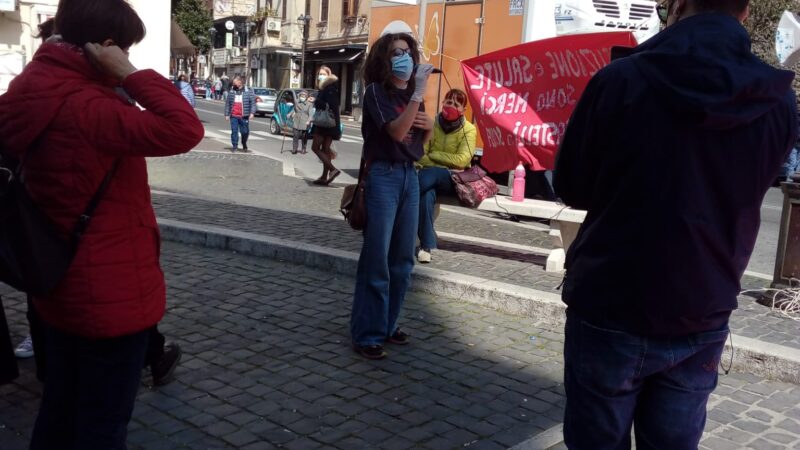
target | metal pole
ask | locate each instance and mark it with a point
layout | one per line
(423, 12)
(306, 19)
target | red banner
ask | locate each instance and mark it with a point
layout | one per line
(523, 96)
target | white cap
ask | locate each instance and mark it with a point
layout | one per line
(397, 27)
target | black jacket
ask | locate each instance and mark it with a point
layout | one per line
(671, 150)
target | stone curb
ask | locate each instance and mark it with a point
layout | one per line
(750, 355)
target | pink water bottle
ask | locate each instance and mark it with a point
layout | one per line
(518, 191)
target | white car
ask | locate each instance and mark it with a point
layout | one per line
(265, 100)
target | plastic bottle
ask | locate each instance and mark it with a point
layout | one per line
(518, 190)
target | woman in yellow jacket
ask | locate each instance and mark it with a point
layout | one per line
(451, 147)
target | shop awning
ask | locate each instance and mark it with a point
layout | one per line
(336, 54)
(179, 44)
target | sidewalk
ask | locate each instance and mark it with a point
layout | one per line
(297, 213)
(267, 364)
(267, 361)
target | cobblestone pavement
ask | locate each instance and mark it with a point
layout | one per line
(269, 203)
(267, 364)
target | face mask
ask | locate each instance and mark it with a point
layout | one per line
(322, 78)
(450, 113)
(402, 66)
(302, 99)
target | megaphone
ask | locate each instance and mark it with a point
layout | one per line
(787, 39)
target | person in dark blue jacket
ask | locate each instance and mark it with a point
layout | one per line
(671, 151)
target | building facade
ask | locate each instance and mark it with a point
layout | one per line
(19, 20)
(259, 39)
(338, 37)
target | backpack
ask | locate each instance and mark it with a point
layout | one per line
(33, 256)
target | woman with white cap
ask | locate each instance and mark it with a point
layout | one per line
(395, 129)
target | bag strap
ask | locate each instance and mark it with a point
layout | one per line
(86, 217)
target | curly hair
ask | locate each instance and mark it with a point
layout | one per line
(378, 67)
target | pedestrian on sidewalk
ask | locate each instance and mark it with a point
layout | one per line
(186, 89)
(323, 136)
(451, 148)
(671, 151)
(218, 89)
(74, 133)
(226, 86)
(240, 107)
(301, 121)
(395, 129)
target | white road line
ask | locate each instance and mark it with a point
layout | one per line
(254, 138)
(762, 276)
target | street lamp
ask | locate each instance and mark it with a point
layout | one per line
(304, 19)
(247, 27)
(213, 33)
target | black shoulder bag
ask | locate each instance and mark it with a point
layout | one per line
(33, 257)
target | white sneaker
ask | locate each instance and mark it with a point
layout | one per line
(24, 349)
(424, 256)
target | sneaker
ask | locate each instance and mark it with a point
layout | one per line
(24, 349)
(370, 351)
(244, 149)
(399, 338)
(164, 369)
(424, 256)
(233, 150)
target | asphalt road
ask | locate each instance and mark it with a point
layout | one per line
(278, 147)
(349, 156)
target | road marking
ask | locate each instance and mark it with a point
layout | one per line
(762, 276)
(254, 138)
(774, 208)
(345, 137)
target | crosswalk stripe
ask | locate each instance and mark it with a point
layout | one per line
(255, 138)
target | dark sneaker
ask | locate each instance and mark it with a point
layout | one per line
(164, 369)
(244, 149)
(399, 338)
(233, 150)
(370, 351)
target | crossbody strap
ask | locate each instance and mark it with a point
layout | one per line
(86, 217)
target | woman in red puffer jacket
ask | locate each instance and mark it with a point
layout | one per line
(64, 112)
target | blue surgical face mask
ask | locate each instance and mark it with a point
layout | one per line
(403, 66)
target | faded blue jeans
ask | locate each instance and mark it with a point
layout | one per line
(387, 256)
(432, 181)
(614, 379)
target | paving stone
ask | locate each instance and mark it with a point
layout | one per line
(277, 394)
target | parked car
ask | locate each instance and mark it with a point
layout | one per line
(199, 87)
(286, 99)
(265, 100)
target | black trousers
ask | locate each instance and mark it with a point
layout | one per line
(90, 390)
(8, 362)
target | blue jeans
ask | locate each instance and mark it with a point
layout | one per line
(239, 124)
(614, 379)
(89, 391)
(432, 181)
(387, 256)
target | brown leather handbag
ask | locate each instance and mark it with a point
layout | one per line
(353, 205)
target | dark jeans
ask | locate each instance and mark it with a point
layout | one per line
(90, 391)
(37, 330)
(432, 181)
(8, 362)
(614, 379)
(239, 124)
(155, 346)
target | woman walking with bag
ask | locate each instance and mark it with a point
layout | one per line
(395, 128)
(327, 124)
(75, 133)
